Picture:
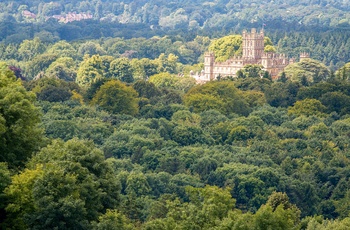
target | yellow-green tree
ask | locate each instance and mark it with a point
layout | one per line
(164, 80)
(226, 47)
(307, 71)
(31, 48)
(231, 45)
(222, 96)
(116, 97)
(113, 220)
(307, 107)
(19, 119)
(344, 72)
(91, 69)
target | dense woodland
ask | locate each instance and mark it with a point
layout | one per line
(320, 27)
(103, 127)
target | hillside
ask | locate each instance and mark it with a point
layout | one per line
(103, 125)
(189, 14)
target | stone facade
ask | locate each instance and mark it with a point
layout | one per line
(253, 53)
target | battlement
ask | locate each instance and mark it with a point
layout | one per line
(304, 55)
(232, 60)
(210, 53)
(253, 34)
(272, 55)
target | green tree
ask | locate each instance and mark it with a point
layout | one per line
(282, 94)
(31, 48)
(307, 107)
(146, 89)
(222, 96)
(5, 180)
(34, 69)
(90, 70)
(165, 80)
(63, 49)
(113, 220)
(136, 184)
(66, 186)
(144, 68)
(121, 69)
(91, 48)
(342, 205)
(208, 206)
(309, 69)
(280, 219)
(116, 97)
(167, 63)
(226, 47)
(343, 72)
(317, 224)
(62, 68)
(336, 101)
(255, 71)
(19, 119)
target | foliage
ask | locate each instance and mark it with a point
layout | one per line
(222, 96)
(254, 71)
(62, 68)
(307, 107)
(121, 69)
(19, 119)
(66, 186)
(113, 220)
(115, 97)
(307, 71)
(226, 47)
(90, 71)
(245, 153)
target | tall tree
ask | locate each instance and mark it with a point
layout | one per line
(20, 135)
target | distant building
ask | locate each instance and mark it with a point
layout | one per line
(253, 53)
(71, 17)
(28, 14)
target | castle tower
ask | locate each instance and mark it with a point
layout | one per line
(304, 55)
(209, 59)
(253, 45)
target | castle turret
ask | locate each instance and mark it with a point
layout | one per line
(209, 59)
(304, 55)
(253, 44)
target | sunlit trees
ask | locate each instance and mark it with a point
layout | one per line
(19, 119)
(90, 70)
(222, 96)
(308, 107)
(116, 97)
(307, 71)
(226, 47)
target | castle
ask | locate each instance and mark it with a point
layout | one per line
(253, 53)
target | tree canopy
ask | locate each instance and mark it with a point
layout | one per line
(19, 119)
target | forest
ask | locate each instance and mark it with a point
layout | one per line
(94, 141)
(103, 127)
